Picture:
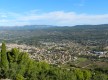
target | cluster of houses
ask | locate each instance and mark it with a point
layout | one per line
(100, 53)
(56, 53)
(52, 53)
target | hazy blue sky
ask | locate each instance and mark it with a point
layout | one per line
(53, 12)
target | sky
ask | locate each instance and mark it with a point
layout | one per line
(53, 12)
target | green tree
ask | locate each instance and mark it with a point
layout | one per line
(79, 74)
(4, 60)
(19, 77)
(100, 76)
(15, 53)
(87, 74)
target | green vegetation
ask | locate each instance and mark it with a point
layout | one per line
(82, 59)
(4, 61)
(91, 35)
(85, 64)
(17, 65)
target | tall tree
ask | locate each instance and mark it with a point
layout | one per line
(4, 60)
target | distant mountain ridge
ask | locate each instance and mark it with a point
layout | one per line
(25, 27)
(33, 27)
(91, 26)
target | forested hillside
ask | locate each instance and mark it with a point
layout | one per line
(90, 35)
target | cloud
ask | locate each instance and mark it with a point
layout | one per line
(2, 15)
(51, 18)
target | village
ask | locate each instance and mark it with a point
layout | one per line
(56, 53)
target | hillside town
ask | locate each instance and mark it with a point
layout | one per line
(56, 53)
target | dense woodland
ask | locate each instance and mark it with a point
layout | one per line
(17, 65)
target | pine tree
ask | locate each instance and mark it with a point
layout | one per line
(4, 61)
